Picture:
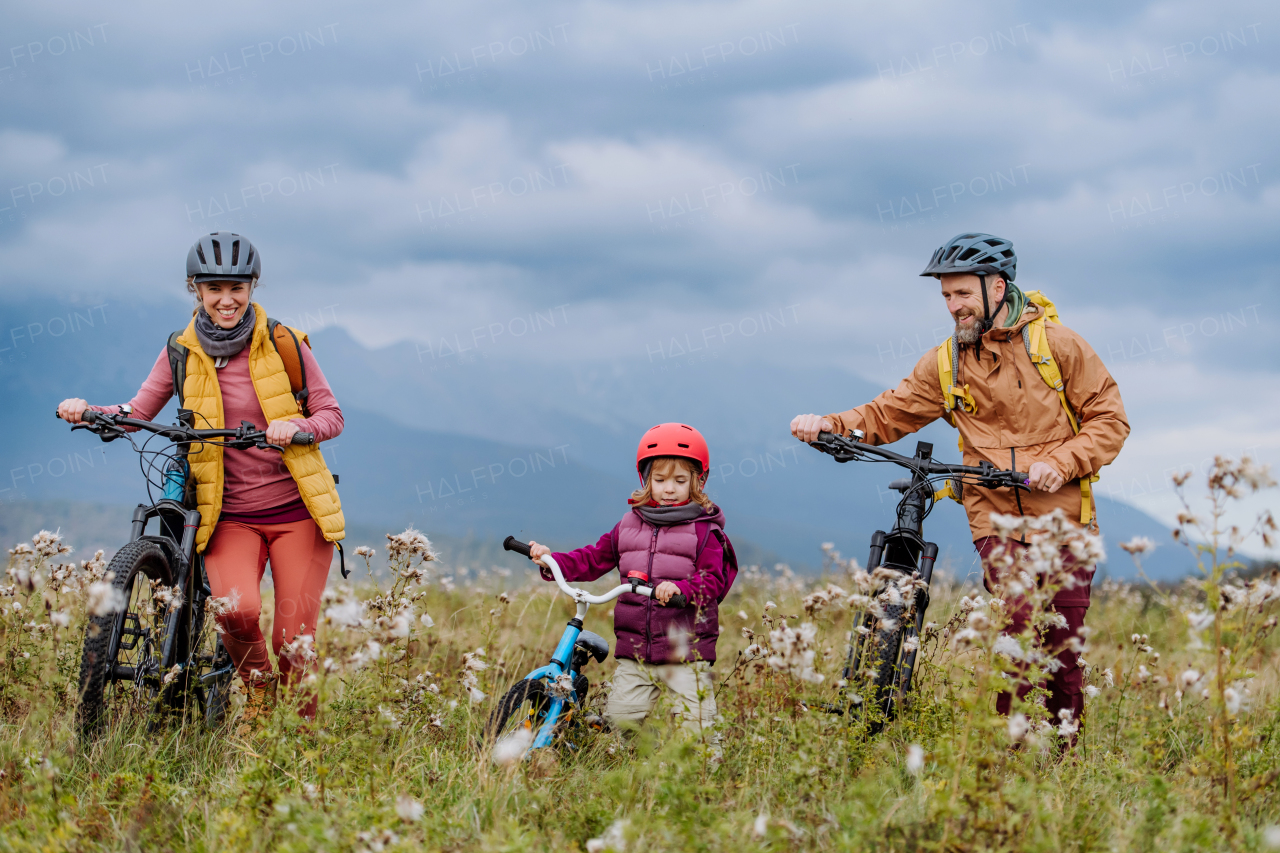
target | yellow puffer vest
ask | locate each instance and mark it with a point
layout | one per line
(306, 463)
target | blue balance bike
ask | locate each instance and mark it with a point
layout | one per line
(545, 702)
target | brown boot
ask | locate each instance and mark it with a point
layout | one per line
(260, 700)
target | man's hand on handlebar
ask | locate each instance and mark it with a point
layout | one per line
(1042, 477)
(71, 409)
(537, 552)
(807, 427)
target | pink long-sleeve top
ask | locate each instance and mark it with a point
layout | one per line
(254, 480)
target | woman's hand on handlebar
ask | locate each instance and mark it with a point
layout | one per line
(664, 591)
(281, 432)
(807, 427)
(537, 552)
(71, 409)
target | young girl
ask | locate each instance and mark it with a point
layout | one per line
(672, 536)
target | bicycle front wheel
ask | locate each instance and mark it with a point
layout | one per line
(120, 665)
(524, 707)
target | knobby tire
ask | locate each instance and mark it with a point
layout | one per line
(102, 641)
(506, 716)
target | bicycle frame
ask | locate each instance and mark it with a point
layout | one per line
(904, 550)
(561, 663)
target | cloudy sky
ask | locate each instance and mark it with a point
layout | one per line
(650, 170)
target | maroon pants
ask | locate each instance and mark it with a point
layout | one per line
(1066, 685)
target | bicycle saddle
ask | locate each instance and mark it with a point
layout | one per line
(594, 645)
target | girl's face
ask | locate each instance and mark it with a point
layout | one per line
(224, 301)
(670, 484)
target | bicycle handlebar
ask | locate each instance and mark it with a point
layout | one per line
(513, 544)
(844, 449)
(241, 438)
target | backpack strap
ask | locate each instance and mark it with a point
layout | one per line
(177, 363)
(1036, 341)
(953, 397)
(705, 531)
(286, 344)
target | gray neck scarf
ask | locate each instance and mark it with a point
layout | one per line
(218, 342)
(666, 516)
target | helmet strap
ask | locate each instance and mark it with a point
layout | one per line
(986, 308)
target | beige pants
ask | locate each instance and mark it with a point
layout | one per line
(638, 687)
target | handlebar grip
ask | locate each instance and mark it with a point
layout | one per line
(511, 543)
(89, 416)
(678, 600)
(303, 438)
(825, 436)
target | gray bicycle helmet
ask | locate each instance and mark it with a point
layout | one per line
(224, 256)
(978, 254)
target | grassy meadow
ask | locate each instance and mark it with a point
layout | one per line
(1180, 748)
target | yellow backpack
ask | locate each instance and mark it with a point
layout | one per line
(1037, 343)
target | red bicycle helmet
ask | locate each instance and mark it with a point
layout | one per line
(674, 440)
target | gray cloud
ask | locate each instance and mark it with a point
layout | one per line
(662, 167)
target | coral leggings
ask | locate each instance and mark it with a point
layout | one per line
(235, 561)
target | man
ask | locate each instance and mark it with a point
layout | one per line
(1007, 415)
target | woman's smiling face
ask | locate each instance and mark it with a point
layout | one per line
(224, 301)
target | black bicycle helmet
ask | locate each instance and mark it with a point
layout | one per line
(978, 254)
(224, 256)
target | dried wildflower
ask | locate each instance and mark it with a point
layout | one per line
(346, 613)
(614, 839)
(1068, 726)
(410, 544)
(1010, 648)
(760, 826)
(301, 652)
(103, 599)
(1188, 678)
(911, 644)
(820, 598)
(1199, 620)
(60, 618)
(369, 652)
(172, 675)
(216, 606)
(1138, 546)
(168, 597)
(679, 639)
(793, 652)
(46, 544)
(511, 747)
(1091, 691)
(1018, 727)
(365, 551)
(915, 760)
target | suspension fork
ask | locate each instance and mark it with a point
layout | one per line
(907, 667)
(855, 642)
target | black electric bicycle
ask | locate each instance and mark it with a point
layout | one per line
(159, 652)
(884, 643)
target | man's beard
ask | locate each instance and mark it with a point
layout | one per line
(968, 333)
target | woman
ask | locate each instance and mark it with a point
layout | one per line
(254, 504)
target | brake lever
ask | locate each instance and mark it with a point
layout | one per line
(265, 445)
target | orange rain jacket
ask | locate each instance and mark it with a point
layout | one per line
(1019, 419)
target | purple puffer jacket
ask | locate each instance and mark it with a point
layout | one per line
(696, 556)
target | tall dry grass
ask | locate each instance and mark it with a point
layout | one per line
(1180, 748)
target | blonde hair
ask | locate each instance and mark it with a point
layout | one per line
(665, 465)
